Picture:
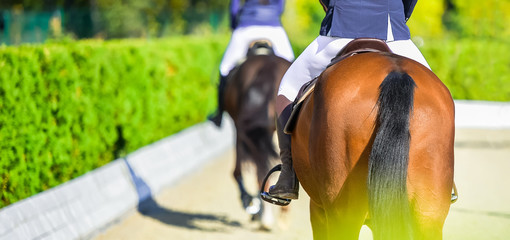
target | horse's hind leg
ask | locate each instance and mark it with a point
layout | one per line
(431, 207)
(430, 181)
(246, 198)
(429, 217)
(349, 211)
(261, 159)
(332, 223)
(318, 221)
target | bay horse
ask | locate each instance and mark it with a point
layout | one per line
(250, 94)
(373, 144)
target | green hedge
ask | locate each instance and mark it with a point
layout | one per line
(66, 109)
(473, 69)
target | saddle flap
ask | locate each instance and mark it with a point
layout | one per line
(303, 93)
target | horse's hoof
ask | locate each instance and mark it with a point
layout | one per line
(254, 206)
(256, 217)
(274, 200)
(264, 228)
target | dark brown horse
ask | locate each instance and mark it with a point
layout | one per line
(250, 94)
(373, 145)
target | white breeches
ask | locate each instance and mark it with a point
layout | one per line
(243, 36)
(318, 55)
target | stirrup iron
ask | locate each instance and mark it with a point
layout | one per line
(271, 199)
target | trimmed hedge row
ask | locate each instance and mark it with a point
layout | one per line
(66, 109)
(473, 69)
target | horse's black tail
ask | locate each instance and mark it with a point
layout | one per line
(390, 215)
(256, 120)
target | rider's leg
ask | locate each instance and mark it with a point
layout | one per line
(404, 48)
(287, 185)
(307, 66)
(408, 49)
(235, 50)
(280, 42)
(218, 115)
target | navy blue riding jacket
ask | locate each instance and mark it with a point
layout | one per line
(366, 18)
(256, 12)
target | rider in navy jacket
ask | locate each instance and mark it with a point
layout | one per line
(344, 21)
(253, 13)
(367, 19)
(408, 6)
(251, 20)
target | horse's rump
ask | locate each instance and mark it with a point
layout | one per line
(249, 99)
(365, 115)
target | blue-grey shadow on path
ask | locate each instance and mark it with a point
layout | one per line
(150, 208)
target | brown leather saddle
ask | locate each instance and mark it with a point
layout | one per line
(260, 47)
(356, 46)
(256, 48)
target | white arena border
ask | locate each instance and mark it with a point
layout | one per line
(82, 207)
(482, 114)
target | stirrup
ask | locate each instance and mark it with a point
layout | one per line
(455, 195)
(271, 199)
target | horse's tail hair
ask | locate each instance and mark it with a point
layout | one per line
(258, 138)
(389, 211)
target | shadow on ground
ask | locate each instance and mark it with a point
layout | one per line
(147, 206)
(151, 208)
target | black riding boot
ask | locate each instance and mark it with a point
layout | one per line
(218, 115)
(287, 185)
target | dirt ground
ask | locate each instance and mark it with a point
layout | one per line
(205, 204)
